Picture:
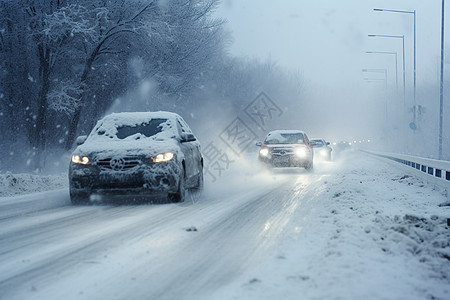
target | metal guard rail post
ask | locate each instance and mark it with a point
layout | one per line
(438, 170)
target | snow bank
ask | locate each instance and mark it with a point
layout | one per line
(366, 230)
(16, 184)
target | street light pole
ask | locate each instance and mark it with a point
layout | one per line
(441, 86)
(413, 12)
(403, 54)
(396, 64)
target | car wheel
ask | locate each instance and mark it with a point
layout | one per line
(309, 166)
(78, 198)
(200, 182)
(196, 191)
(180, 195)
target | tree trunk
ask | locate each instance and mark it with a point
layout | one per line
(40, 130)
(73, 128)
(39, 139)
(77, 114)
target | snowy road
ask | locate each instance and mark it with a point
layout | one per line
(281, 235)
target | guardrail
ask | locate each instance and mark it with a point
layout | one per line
(436, 169)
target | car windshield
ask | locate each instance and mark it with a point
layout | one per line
(134, 128)
(148, 129)
(284, 138)
(317, 143)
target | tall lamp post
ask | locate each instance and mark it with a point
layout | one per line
(441, 86)
(396, 64)
(413, 12)
(403, 54)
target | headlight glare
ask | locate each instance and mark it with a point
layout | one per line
(323, 153)
(163, 157)
(301, 152)
(77, 159)
(264, 152)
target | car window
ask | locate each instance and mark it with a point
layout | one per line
(184, 126)
(148, 129)
(284, 138)
(318, 142)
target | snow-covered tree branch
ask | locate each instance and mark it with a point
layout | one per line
(65, 97)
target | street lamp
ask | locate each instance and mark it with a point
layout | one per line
(413, 12)
(396, 64)
(441, 85)
(403, 54)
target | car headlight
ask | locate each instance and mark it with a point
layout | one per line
(77, 159)
(323, 152)
(264, 152)
(301, 152)
(163, 157)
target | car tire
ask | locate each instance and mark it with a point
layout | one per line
(195, 192)
(78, 198)
(309, 166)
(200, 182)
(180, 194)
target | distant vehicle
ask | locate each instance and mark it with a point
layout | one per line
(139, 155)
(342, 146)
(321, 148)
(286, 148)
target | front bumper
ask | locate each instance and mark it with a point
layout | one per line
(142, 180)
(285, 161)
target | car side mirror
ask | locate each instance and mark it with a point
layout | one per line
(328, 143)
(81, 139)
(187, 137)
(259, 144)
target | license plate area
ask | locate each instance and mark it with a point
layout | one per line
(281, 159)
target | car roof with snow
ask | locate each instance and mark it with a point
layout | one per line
(285, 131)
(133, 118)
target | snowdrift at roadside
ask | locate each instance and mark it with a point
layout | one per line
(16, 184)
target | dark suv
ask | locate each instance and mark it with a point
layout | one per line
(136, 155)
(286, 148)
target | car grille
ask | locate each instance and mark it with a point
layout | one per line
(283, 151)
(118, 163)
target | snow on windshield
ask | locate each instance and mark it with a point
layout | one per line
(284, 137)
(135, 126)
(132, 133)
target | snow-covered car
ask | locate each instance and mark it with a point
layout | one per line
(286, 148)
(322, 149)
(139, 155)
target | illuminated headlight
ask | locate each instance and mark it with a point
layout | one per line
(264, 152)
(323, 152)
(163, 157)
(301, 152)
(76, 159)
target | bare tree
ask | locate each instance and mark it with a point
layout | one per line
(52, 28)
(105, 44)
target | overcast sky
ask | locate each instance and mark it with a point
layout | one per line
(327, 39)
